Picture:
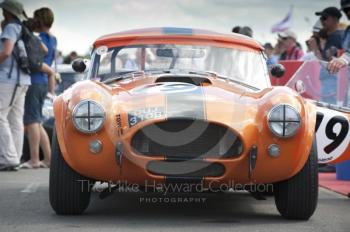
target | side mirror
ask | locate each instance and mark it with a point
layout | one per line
(277, 70)
(79, 65)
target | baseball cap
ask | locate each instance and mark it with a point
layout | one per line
(288, 34)
(330, 11)
(15, 8)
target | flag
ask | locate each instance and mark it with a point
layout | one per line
(284, 24)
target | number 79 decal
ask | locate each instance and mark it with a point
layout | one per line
(332, 134)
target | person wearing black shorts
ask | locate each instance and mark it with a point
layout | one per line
(37, 136)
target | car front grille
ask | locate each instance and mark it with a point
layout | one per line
(187, 139)
(186, 168)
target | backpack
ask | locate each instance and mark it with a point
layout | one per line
(33, 58)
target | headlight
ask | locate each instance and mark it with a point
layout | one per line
(284, 121)
(88, 116)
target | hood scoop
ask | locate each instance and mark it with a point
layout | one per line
(190, 79)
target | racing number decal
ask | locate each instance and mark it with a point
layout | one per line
(319, 119)
(332, 134)
(336, 138)
(140, 115)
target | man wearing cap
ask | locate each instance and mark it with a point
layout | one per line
(336, 63)
(329, 18)
(288, 40)
(13, 86)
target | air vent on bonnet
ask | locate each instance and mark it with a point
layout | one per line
(185, 79)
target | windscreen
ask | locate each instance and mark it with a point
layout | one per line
(244, 65)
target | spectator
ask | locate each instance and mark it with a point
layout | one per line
(271, 58)
(289, 42)
(13, 86)
(337, 63)
(329, 18)
(37, 136)
(72, 56)
(279, 51)
(316, 42)
(32, 26)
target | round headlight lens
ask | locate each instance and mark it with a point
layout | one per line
(284, 121)
(88, 116)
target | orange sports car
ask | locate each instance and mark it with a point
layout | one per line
(181, 106)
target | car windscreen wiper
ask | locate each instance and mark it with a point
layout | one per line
(123, 76)
(216, 75)
(131, 74)
(234, 80)
(239, 83)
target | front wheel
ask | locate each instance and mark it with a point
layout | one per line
(69, 191)
(296, 198)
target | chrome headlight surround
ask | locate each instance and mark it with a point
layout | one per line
(88, 116)
(284, 121)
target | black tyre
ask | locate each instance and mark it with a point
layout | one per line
(296, 198)
(69, 191)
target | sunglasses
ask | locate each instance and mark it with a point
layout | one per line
(323, 18)
(345, 10)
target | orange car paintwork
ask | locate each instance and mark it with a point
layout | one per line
(245, 112)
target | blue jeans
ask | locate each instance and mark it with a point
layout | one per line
(328, 86)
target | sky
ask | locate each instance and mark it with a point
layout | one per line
(78, 23)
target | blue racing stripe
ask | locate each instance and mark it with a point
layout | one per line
(177, 31)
